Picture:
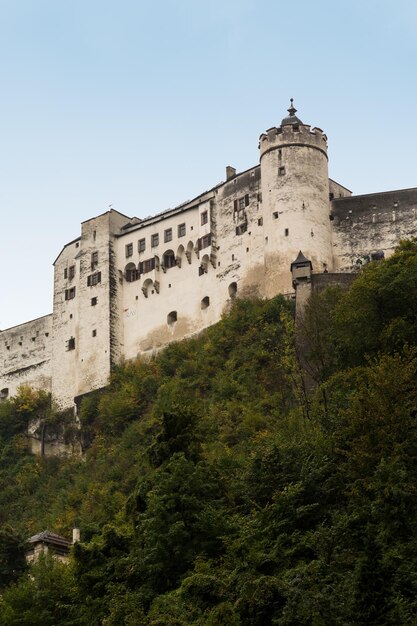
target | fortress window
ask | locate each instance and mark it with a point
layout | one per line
(147, 266)
(71, 272)
(169, 259)
(129, 249)
(275, 215)
(242, 203)
(296, 128)
(66, 272)
(232, 290)
(260, 221)
(168, 235)
(70, 293)
(94, 279)
(142, 245)
(281, 171)
(172, 318)
(131, 273)
(71, 344)
(204, 242)
(94, 333)
(242, 228)
(154, 240)
(331, 196)
(204, 218)
(94, 260)
(205, 302)
(287, 232)
(181, 230)
(93, 301)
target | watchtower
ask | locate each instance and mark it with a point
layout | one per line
(295, 199)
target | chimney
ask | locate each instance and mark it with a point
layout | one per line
(230, 172)
(75, 535)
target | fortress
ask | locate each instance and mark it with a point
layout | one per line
(127, 287)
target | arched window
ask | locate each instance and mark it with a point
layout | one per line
(232, 290)
(131, 273)
(148, 287)
(205, 302)
(168, 260)
(204, 265)
(180, 255)
(189, 251)
(172, 318)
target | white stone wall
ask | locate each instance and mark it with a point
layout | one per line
(295, 192)
(25, 356)
(85, 364)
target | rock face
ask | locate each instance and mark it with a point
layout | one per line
(127, 287)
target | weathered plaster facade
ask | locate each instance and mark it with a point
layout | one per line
(126, 287)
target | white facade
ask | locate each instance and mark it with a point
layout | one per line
(127, 287)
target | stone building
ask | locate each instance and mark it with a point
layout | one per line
(128, 286)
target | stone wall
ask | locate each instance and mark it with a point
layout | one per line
(371, 224)
(25, 356)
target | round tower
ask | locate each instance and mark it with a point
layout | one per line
(295, 200)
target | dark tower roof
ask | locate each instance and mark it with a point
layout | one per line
(301, 260)
(291, 118)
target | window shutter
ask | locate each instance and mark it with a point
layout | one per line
(247, 199)
(141, 267)
(235, 205)
(88, 281)
(99, 277)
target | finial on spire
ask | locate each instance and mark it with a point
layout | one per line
(292, 110)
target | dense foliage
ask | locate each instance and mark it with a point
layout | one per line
(246, 476)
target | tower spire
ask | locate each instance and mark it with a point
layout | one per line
(292, 110)
(291, 118)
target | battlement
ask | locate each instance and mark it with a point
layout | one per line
(292, 135)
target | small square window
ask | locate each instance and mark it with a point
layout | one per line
(94, 279)
(93, 301)
(168, 235)
(275, 215)
(281, 171)
(204, 218)
(181, 230)
(129, 249)
(70, 293)
(71, 344)
(142, 245)
(155, 240)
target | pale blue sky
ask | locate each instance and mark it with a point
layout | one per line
(143, 104)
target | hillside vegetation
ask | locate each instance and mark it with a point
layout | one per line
(232, 481)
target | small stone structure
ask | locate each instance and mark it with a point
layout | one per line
(47, 542)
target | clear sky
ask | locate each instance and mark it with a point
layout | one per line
(141, 105)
